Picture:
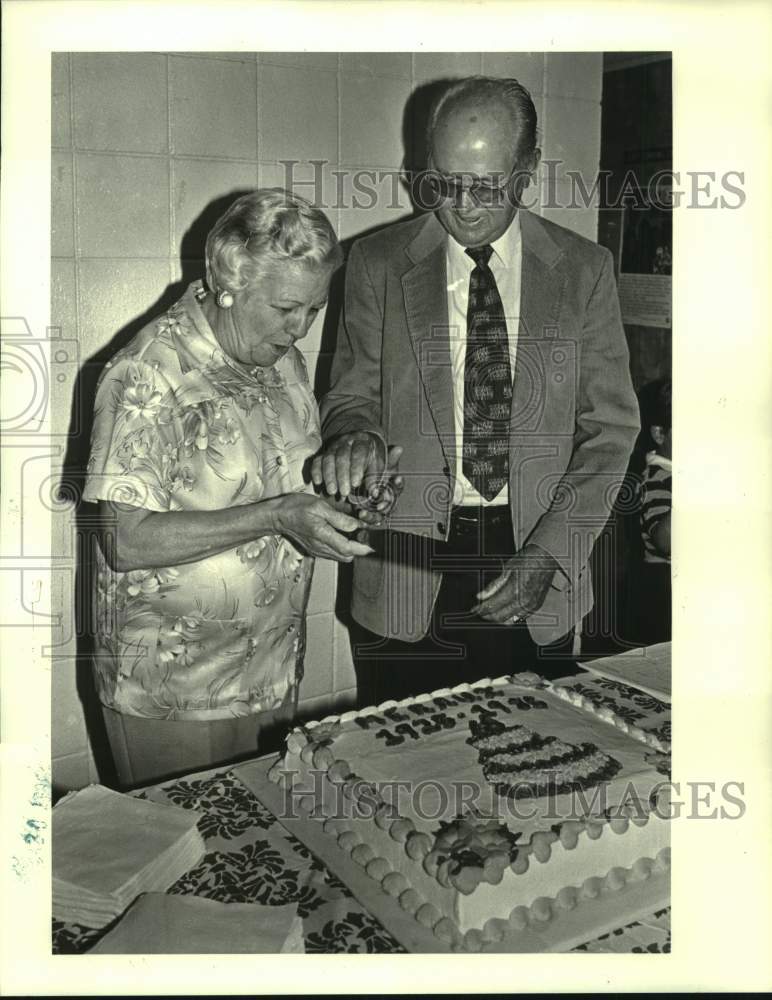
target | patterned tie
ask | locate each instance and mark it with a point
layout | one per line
(487, 382)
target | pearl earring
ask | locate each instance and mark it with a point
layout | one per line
(224, 299)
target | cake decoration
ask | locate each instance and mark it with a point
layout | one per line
(601, 701)
(540, 764)
(466, 852)
(473, 874)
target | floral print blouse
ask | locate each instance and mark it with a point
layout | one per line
(180, 426)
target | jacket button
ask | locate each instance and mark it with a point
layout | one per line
(441, 527)
(446, 470)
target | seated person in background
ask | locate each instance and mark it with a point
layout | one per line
(656, 501)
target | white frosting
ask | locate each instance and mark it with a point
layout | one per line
(564, 868)
(398, 852)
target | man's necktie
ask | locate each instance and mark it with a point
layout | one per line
(487, 382)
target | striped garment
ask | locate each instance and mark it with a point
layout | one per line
(656, 501)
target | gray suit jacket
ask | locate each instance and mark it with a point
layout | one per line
(574, 414)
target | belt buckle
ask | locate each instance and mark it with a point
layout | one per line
(466, 523)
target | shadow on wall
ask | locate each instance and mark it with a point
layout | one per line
(414, 123)
(74, 474)
(415, 154)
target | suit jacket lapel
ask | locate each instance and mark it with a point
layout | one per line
(542, 288)
(424, 286)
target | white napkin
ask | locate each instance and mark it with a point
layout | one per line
(159, 924)
(647, 669)
(108, 848)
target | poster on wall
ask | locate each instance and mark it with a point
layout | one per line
(646, 260)
(645, 299)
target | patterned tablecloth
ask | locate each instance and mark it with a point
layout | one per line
(251, 858)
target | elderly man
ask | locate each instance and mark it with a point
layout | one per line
(487, 344)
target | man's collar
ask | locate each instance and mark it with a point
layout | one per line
(505, 247)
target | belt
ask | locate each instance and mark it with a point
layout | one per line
(469, 519)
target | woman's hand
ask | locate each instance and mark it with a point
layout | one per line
(316, 527)
(134, 538)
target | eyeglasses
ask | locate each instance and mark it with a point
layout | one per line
(440, 187)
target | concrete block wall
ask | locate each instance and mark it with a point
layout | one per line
(143, 142)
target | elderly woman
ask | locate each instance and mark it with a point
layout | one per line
(203, 425)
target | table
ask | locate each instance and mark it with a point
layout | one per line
(251, 858)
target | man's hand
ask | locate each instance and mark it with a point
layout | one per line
(316, 527)
(382, 490)
(342, 465)
(521, 588)
(354, 463)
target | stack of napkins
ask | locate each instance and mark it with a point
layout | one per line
(108, 848)
(190, 925)
(647, 669)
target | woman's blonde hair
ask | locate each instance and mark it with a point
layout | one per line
(263, 228)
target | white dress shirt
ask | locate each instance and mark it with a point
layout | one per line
(506, 265)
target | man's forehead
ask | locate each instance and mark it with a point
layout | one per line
(482, 162)
(476, 138)
(477, 117)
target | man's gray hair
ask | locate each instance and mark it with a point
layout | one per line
(263, 228)
(482, 88)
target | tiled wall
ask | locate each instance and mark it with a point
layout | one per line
(143, 142)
